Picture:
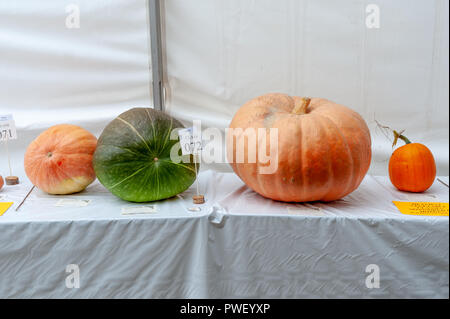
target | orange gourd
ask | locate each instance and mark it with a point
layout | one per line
(411, 167)
(59, 161)
(324, 149)
(1, 182)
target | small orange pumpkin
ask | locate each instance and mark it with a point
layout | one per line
(59, 161)
(411, 167)
(324, 149)
(1, 182)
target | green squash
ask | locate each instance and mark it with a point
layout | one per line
(133, 161)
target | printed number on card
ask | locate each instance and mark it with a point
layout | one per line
(190, 140)
(7, 128)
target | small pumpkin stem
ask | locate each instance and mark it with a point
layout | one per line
(300, 108)
(397, 136)
(405, 139)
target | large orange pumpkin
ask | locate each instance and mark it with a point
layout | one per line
(324, 149)
(412, 167)
(59, 161)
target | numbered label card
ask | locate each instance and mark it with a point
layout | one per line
(7, 128)
(190, 140)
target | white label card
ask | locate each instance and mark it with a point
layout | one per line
(139, 210)
(7, 128)
(306, 210)
(190, 140)
(72, 202)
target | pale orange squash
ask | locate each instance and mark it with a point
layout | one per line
(59, 161)
(324, 149)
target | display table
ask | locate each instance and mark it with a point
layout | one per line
(240, 245)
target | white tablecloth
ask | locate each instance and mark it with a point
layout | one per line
(239, 245)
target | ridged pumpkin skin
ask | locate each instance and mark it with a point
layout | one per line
(323, 154)
(133, 157)
(412, 168)
(59, 160)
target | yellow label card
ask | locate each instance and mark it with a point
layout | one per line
(4, 207)
(422, 208)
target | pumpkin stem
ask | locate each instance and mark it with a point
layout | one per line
(300, 108)
(397, 136)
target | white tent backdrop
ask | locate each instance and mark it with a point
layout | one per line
(223, 53)
(51, 74)
(219, 54)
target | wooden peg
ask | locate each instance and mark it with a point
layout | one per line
(12, 180)
(198, 199)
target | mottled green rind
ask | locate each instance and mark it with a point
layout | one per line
(124, 160)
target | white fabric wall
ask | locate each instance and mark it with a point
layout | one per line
(51, 74)
(222, 53)
(219, 54)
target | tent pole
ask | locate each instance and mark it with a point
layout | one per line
(156, 54)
